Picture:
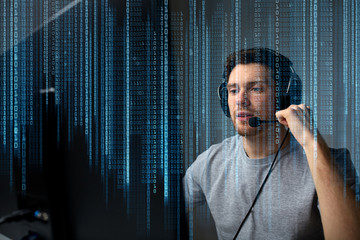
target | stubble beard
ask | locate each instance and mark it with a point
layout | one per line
(243, 128)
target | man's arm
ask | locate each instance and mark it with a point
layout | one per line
(340, 215)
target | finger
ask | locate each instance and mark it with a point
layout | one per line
(295, 110)
(302, 106)
(306, 109)
(302, 109)
(280, 115)
(308, 114)
(283, 121)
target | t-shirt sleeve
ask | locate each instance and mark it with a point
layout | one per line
(194, 195)
(345, 167)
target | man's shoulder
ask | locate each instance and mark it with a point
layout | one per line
(216, 152)
(212, 160)
(224, 146)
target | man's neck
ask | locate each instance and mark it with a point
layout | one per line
(264, 144)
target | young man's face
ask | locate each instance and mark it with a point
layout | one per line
(251, 94)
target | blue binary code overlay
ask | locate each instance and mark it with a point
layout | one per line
(132, 86)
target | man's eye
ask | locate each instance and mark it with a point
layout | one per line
(257, 89)
(233, 91)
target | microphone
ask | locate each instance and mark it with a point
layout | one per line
(255, 121)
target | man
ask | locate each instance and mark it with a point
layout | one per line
(309, 192)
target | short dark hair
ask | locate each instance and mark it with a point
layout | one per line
(279, 65)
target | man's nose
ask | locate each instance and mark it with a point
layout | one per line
(242, 98)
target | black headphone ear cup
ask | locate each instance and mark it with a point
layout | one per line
(285, 101)
(223, 98)
(285, 98)
(296, 89)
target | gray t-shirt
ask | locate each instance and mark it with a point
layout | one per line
(227, 180)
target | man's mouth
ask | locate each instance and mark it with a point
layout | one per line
(244, 116)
